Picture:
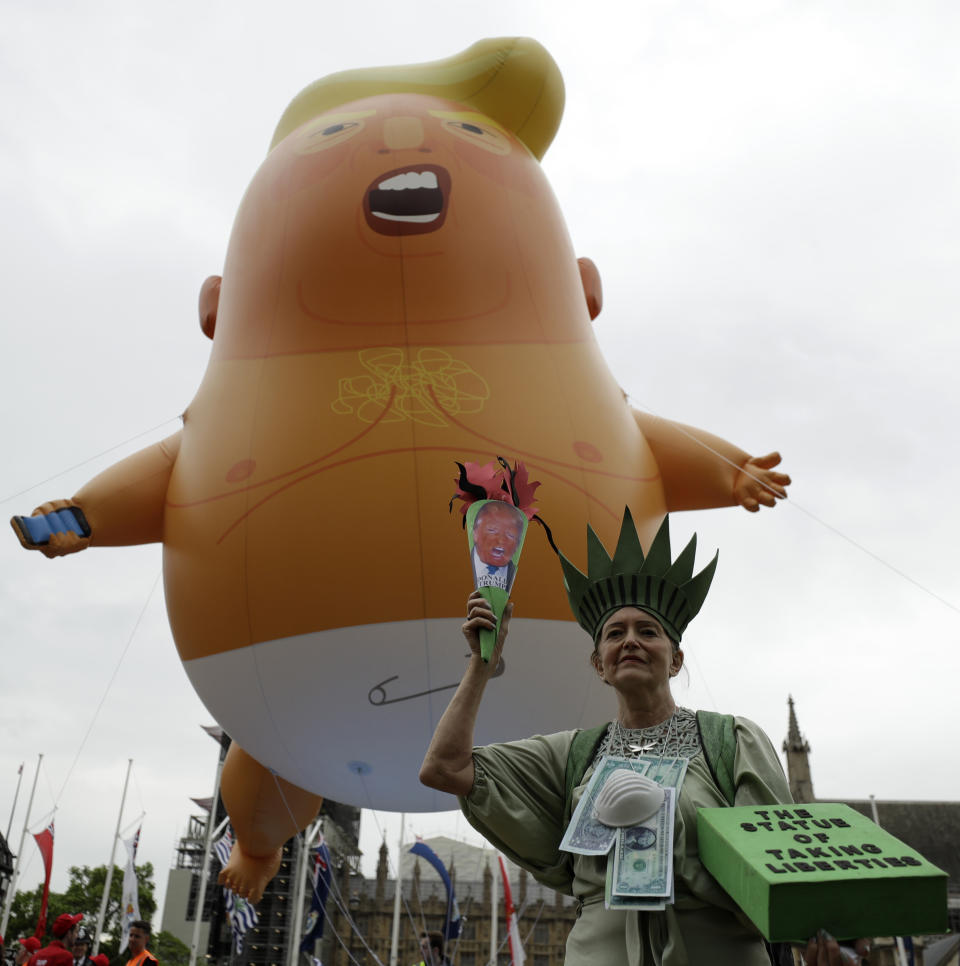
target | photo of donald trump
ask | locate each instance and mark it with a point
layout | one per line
(497, 533)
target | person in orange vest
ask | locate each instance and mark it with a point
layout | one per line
(136, 953)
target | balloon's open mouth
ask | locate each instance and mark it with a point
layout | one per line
(408, 201)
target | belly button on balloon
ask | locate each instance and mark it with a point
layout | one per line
(360, 768)
(241, 471)
(587, 451)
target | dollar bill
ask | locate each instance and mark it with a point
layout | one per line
(643, 855)
(586, 834)
(639, 903)
(668, 772)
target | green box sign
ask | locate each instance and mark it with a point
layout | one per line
(794, 869)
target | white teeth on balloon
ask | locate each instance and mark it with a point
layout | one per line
(409, 179)
(420, 219)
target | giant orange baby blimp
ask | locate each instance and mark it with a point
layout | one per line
(399, 293)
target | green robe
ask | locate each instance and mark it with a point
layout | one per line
(517, 804)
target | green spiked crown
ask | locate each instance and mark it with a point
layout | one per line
(653, 583)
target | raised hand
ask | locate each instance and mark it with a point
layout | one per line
(758, 483)
(480, 616)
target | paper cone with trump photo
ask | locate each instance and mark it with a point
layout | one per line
(497, 508)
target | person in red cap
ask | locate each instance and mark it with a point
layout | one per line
(60, 950)
(27, 948)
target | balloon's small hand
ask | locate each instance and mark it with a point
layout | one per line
(480, 616)
(758, 482)
(62, 543)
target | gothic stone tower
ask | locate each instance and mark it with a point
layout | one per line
(798, 761)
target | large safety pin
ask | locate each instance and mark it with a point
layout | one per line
(419, 694)
(407, 697)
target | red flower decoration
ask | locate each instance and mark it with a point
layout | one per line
(495, 481)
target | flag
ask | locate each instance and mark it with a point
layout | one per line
(908, 948)
(223, 846)
(45, 844)
(130, 902)
(513, 929)
(241, 913)
(320, 887)
(242, 917)
(451, 925)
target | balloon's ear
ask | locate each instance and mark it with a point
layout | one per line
(209, 302)
(592, 289)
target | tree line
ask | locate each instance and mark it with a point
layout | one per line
(84, 894)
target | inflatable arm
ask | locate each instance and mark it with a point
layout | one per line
(701, 471)
(123, 505)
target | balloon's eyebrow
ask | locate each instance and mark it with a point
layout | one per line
(326, 120)
(468, 117)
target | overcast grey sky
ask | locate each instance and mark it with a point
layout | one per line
(770, 192)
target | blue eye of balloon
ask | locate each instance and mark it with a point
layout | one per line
(335, 129)
(472, 128)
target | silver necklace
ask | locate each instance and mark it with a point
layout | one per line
(646, 742)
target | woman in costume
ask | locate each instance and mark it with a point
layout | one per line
(520, 795)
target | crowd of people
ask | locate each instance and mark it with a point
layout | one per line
(71, 944)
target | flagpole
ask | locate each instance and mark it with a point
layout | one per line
(293, 952)
(130, 892)
(296, 934)
(901, 951)
(205, 866)
(8, 903)
(395, 928)
(101, 919)
(16, 795)
(493, 917)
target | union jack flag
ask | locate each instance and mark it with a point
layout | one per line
(320, 882)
